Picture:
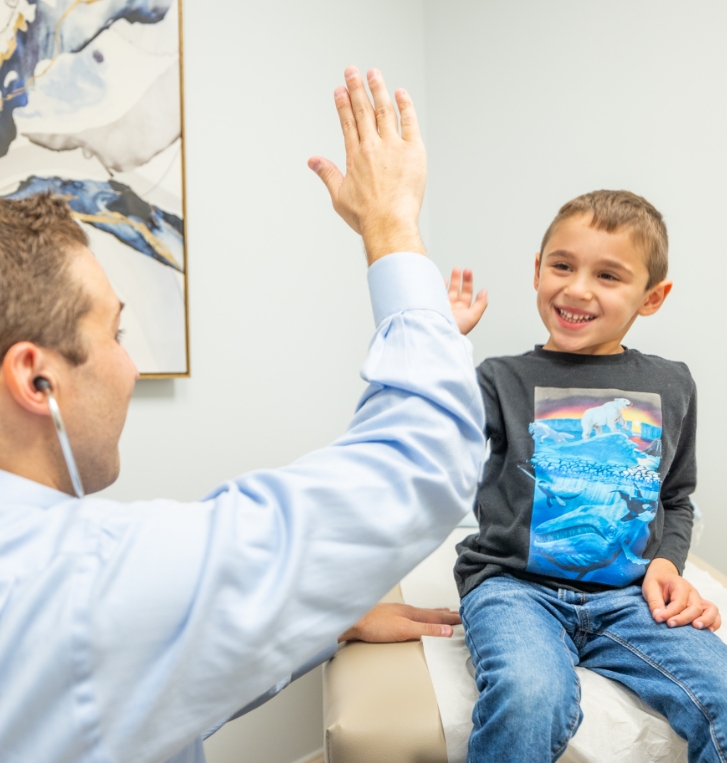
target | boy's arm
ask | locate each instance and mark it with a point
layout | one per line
(670, 597)
(679, 484)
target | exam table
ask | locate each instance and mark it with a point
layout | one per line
(380, 704)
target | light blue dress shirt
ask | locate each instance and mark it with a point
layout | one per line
(127, 630)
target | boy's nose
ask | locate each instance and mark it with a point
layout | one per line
(579, 288)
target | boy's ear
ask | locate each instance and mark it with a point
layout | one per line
(536, 279)
(655, 298)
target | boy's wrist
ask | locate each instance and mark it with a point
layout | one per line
(662, 566)
(661, 563)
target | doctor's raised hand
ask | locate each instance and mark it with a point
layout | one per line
(381, 194)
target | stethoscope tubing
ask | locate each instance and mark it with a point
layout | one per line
(55, 413)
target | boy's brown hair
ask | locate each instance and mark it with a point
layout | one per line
(612, 210)
(40, 301)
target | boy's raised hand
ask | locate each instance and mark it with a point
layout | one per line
(460, 290)
(674, 600)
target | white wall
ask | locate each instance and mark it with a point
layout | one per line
(279, 312)
(531, 103)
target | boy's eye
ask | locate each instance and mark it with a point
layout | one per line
(608, 277)
(561, 266)
(119, 335)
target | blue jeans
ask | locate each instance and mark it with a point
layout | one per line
(526, 639)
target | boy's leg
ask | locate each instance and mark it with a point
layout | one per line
(524, 661)
(680, 672)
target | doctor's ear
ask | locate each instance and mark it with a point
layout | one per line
(655, 297)
(24, 366)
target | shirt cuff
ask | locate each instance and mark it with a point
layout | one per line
(406, 281)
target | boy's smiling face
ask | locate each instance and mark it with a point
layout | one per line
(591, 285)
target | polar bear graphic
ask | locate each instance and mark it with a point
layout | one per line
(608, 414)
(544, 432)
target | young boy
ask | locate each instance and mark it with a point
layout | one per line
(584, 509)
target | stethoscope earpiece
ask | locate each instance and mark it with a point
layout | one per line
(42, 384)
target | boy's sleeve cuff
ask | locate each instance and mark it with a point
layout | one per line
(406, 281)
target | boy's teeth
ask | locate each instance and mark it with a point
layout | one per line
(571, 318)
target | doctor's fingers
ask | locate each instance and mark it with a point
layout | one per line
(442, 616)
(384, 111)
(409, 122)
(363, 111)
(346, 118)
(332, 178)
(412, 630)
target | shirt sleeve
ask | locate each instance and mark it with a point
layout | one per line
(197, 609)
(679, 484)
(323, 656)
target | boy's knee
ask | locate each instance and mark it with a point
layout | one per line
(531, 689)
(537, 710)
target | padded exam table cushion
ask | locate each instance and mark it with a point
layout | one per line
(380, 705)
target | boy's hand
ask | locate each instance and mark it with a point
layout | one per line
(387, 623)
(466, 312)
(675, 601)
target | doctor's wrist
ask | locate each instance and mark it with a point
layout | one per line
(351, 634)
(387, 235)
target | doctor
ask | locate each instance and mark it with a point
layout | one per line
(128, 630)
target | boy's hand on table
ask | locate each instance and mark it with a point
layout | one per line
(674, 600)
(381, 194)
(387, 623)
(466, 313)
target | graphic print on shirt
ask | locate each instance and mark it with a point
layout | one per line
(596, 482)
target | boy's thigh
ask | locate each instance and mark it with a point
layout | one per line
(626, 632)
(517, 639)
(681, 672)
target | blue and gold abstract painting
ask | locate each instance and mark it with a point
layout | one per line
(91, 111)
(595, 475)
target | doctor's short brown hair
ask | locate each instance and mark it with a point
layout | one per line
(615, 210)
(40, 301)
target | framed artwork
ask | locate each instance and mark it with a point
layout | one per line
(92, 111)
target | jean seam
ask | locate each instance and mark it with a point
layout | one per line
(474, 649)
(574, 722)
(665, 672)
(589, 625)
(465, 625)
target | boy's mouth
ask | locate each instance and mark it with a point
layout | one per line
(574, 317)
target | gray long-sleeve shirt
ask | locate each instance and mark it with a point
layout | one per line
(591, 465)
